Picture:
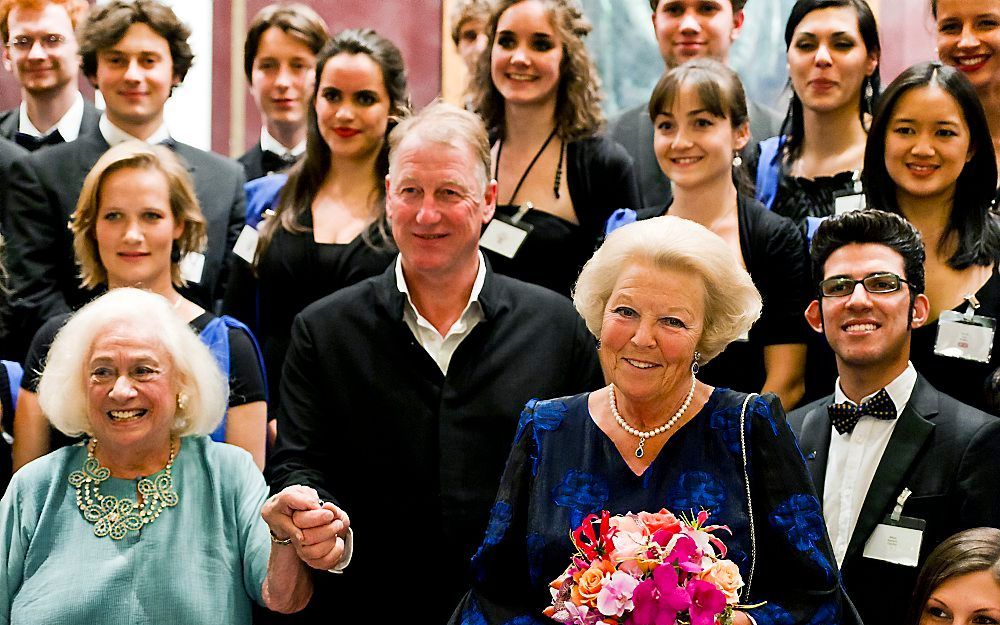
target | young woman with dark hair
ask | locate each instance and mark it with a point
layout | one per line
(928, 160)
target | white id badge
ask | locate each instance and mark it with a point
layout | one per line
(246, 245)
(965, 337)
(743, 338)
(897, 542)
(503, 237)
(847, 203)
(192, 265)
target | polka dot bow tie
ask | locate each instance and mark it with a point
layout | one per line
(846, 415)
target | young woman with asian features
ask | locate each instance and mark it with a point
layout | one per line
(968, 39)
(137, 216)
(328, 227)
(699, 113)
(929, 160)
(833, 55)
(559, 180)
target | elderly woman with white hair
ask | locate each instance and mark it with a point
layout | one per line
(663, 296)
(148, 520)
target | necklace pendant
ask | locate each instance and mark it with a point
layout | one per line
(638, 450)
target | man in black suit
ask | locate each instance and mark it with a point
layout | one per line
(40, 48)
(135, 53)
(685, 30)
(893, 487)
(279, 58)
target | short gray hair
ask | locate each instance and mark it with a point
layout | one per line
(732, 302)
(62, 392)
(445, 124)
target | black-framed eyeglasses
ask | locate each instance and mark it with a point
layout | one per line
(24, 44)
(875, 283)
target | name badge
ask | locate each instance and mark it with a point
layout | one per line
(969, 337)
(192, 266)
(897, 539)
(505, 236)
(743, 338)
(246, 245)
(848, 203)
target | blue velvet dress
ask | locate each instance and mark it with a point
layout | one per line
(563, 467)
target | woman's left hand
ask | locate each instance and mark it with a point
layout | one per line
(317, 530)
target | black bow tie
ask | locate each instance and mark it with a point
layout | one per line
(32, 143)
(846, 415)
(272, 162)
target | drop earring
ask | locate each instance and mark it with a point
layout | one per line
(737, 159)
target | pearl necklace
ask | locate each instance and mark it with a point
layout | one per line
(656, 431)
(116, 517)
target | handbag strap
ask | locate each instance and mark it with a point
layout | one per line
(746, 482)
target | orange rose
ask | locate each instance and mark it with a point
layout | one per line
(726, 576)
(590, 582)
(662, 520)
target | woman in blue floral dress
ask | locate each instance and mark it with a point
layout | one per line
(663, 296)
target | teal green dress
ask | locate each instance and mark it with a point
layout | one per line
(201, 561)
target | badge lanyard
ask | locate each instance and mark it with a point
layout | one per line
(850, 201)
(965, 335)
(897, 539)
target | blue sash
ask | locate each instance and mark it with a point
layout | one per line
(769, 170)
(216, 337)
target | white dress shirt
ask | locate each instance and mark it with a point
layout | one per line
(68, 126)
(441, 348)
(270, 144)
(853, 460)
(115, 135)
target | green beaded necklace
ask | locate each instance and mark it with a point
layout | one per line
(116, 517)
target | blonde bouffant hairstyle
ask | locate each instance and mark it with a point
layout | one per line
(732, 302)
(183, 206)
(62, 390)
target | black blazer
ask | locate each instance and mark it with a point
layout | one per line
(252, 162)
(944, 451)
(10, 118)
(634, 131)
(44, 188)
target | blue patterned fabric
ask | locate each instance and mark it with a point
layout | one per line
(563, 467)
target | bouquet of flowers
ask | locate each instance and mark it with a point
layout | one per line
(647, 569)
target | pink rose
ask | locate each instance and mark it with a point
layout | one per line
(726, 577)
(663, 520)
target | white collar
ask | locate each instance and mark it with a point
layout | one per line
(477, 286)
(270, 144)
(68, 126)
(899, 390)
(115, 135)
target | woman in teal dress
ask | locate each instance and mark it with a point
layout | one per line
(148, 520)
(664, 296)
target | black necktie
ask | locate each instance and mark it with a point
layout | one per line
(846, 415)
(272, 162)
(32, 143)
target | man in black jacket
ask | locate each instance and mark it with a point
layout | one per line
(135, 53)
(401, 394)
(685, 30)
(898, 465)
(40, 47)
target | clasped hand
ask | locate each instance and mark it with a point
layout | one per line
(317, 529)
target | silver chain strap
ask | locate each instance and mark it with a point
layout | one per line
(746, 481)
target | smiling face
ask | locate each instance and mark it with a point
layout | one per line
(46, 66)
(526, 55)
(437, 206)
(867, 331)
(693, 146)
(692, 29)
(131, 389)
(135, 77)
(651, 327)
(968, 37)
(281, 79)
(970, 599)
(927, 144)
(827, 59)
(135, 228)
(352, 106)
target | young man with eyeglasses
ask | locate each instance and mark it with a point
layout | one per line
(899, 465)
(40, 48)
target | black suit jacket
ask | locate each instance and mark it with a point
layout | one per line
(253, 163)
(10, 118)
(946, 453)
(634, 131)
(43, 193)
